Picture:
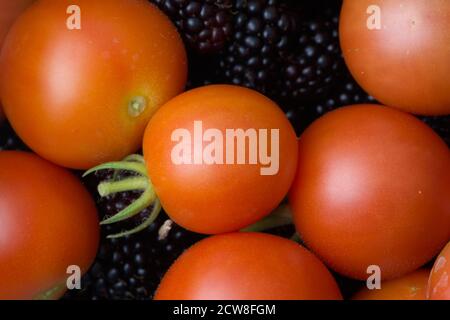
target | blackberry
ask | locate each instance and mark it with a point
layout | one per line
(9, 140)
(206, 25)
(263, 28)
(130, 267)
(287, 53)
(441, 125)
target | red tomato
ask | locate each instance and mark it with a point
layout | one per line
(221, 196)
(9, 10)
(372, 188)
(405, 63)
(247, 266)
(410, 287)
(48, 223)
(439, 282)
(83, 97)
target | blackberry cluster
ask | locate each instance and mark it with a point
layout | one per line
(130, 267)
(263, 28)
(441, 126)
(206, 25)
(287, 52)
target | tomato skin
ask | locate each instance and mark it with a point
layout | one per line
(48, 222)
(9, 11)
(247, 266)
(218, 198)
(439, 282)
(67, 92)
(413, 286)
(405, 64)
(371, 183)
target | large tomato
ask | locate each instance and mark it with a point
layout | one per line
(214, 195)
(247, 266)
(439, 282)
(404, 63)
(372, 188)
(80, 97)
(413, 286)
(9, 10)
(48, 222)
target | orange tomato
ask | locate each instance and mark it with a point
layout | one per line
(406, 62)
(439, 282)
(80, 97)
(219, 197)
(372, 188)
(410, 287)
(48, 223)
(247, 266)
(9, 11)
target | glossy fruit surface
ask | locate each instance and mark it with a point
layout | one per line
(9, 11)
(439, 282)
(81, 97)
(244, 266)
(406, 62)
(222, 196)
(410, 287)
(48, 222)
(371, 183)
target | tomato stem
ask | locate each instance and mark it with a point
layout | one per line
(140, 182)
(109, 187)
(282, 216)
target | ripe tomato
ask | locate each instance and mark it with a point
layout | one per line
(83, 97)
(439, 282)
(405, 63)
(410, 287)
(372, 188)
(9, 10)
(220, 197)
(48, 223)
(247, 266)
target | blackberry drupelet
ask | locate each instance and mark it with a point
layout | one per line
(130, 267)
(206, 25)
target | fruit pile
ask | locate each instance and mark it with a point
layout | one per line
(224, 149)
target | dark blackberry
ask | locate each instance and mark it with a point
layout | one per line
(441, 125)
(9, 140)
(130, 267)
(287, 53)
(315, 63)
(204, 24)
(263, 28)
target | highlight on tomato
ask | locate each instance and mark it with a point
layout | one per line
(217, 159)
(49, 226)
(371, 183)
(80, 79)
(412, 286)
(439, 281)
(247, 266)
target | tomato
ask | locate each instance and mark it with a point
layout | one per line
(439, 281)
(9, 10)
(247, 266)
(406, 62)
(413, 286)
(220, 196)
(80, 97)
(48, 223)
(372, 188)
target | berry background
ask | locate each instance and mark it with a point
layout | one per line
(286, 49)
